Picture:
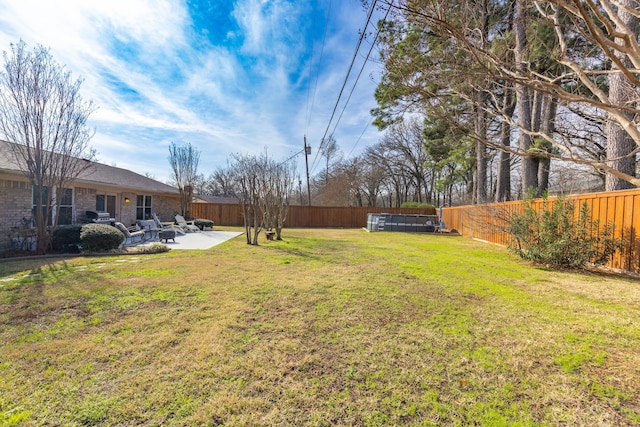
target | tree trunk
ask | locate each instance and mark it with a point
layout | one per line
(247, 222)
(481, 151)
(620, 145)
(257, 219)
(547, 127)
(503, 183)
(470, 184)
(41, 215)
(523, 100)
(480, 116)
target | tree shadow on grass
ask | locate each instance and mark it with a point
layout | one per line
(31, 266)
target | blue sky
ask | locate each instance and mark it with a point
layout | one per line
(226, 76)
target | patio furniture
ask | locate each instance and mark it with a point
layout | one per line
(167, 225)
(149, 226)
(204, 224)
(130, 234)
(188, 226)
(167, 234)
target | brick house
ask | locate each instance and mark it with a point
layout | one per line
(126, 195)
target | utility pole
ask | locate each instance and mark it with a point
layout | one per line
(300, 190)
(307, 151)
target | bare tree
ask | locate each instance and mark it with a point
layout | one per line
(357, 182)
(200, 184)
(243, 176)
(184, 165)
(407, 139)
(278, 183)
(328, 149)
(262, 186)
(220, 182)
(373, 176)
(44, 116)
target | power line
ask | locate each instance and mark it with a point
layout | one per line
(315, 86)
(346, 78)
(375, 39)
(359, 138)
(313, 33)
(292, 156)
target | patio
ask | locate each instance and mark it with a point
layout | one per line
(200, 240)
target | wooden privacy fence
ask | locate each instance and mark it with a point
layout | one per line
(490, 222)
(302, 216)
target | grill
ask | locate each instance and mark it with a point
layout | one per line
(100, 217)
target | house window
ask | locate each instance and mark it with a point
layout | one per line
(64, 202)
(65, 214)
(101, 202)
(143, 207)
(106, 203)
(44, 194)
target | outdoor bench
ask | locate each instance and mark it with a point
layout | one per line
(167, 234)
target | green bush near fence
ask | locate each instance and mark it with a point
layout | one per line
(417, 205)
(561, 234)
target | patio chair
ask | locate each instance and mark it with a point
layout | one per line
(149, 226)
(189, 226)
(167, 225)
(130, 234)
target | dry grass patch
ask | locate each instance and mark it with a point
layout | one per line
(329, 327)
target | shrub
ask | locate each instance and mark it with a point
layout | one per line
(66, 238)
(556, 235)
(100, 237)
(154, 248)
(417, 205)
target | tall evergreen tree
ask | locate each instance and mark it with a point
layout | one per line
(620, 145)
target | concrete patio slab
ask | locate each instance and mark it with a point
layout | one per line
(202, 239)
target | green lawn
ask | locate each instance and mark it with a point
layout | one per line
(327, 328)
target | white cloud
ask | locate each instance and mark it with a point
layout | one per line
(165, 87)
(151, 23)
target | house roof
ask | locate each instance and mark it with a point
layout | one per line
(206, 198)
(95, 174)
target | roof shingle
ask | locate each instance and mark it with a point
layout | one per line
(96, 174)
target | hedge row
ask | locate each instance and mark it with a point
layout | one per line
(89, 237)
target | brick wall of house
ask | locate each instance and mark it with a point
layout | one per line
(85, 200)
(127, 210)
(166, 207)
(16, 202)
